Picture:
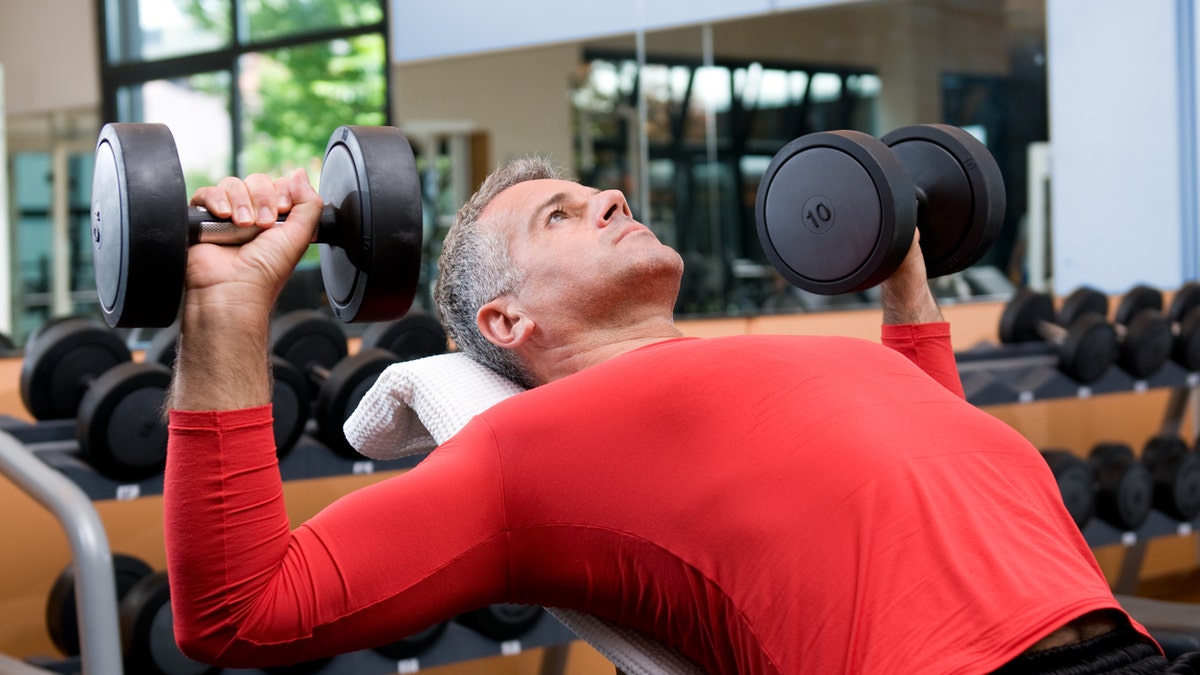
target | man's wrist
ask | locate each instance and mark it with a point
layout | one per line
(913, 304)
(222, 361)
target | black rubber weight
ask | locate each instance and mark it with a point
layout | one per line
(59, 365)
(62, 614)
(148, 631)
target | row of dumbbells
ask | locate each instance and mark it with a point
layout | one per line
(1115, 485)
(78, 368)
(148, 644)
(1140, 337)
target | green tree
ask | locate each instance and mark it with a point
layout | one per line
(293, 98)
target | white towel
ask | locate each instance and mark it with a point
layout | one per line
(415, 406)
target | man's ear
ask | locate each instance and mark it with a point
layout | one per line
(504, 323)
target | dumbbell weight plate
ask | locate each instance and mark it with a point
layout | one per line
(1147, 344)
(1080, 302)
(290, 404)
(369, 174)
(1075, 484)
(1184, 301)
(417, 643)
(963, 189)
(413, 336)
(139, 225)
(62, 614)
(308, 340)
(1021, 316)
(341, 393)
(1186, 350)
(35, 335)
(148, 631)
(1124, 486)
(1089, 350)
(58, 365)
(1136, 300)
(836, 212)
(1176, 472)
(120, 425)
(502, 621)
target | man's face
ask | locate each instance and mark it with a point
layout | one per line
(580, 245)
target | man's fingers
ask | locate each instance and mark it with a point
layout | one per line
(264, 201)
(258, 199)
(214, 199)
(283, 192)
(232, 192)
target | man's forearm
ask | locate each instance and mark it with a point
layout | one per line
(222, 361)
(908, 302)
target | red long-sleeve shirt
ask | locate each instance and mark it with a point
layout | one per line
(766, 504)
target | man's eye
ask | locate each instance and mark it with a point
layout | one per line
(557, 215)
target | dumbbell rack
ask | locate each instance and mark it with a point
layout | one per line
(1026, 373)
(42, 460)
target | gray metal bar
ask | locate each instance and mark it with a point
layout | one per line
(95, 590)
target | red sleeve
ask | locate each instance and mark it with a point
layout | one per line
(928, 346)
(376, 565)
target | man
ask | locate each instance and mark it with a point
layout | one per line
(765, 504)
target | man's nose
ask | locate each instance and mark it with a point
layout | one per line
(611, 206)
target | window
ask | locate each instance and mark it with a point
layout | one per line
(263, 96)
(701, 193)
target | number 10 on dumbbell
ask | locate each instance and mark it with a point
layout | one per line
(370, 229)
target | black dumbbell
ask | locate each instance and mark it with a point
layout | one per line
(415, 335)
(502, 621)
(1176, 471)
(148, 631)
(1184, 313)
(370, 231)
(62, 615)
(79, 368)
(837, 210)
(1124, 486)
(1085, 349)
(290, 402)
(1143, 334)
(414, 644)
(315, 344)
(1075, 482)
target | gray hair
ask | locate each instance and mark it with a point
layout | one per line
(475, 268)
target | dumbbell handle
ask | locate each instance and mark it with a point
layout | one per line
(317, 374)
(1052, 332)
(204, 228)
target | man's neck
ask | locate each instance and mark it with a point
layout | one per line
(555, 359)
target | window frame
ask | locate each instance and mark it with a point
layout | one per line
(115, 76)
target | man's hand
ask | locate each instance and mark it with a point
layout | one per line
(253, 274)
(222, 361)
(906, 297)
